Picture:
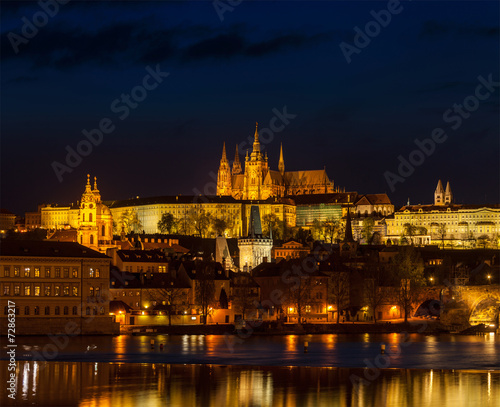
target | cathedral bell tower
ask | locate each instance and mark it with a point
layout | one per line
(224, 186)
(256, 168)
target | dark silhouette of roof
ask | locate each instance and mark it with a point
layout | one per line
(36, 248)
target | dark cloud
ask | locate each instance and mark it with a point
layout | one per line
(23, 79)
(432, 28)
(221, 46)
(283, 42)
(64, 48)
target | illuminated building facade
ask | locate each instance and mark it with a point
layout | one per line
(54, 284)
(257, 181)
(458, 225)
(184, 208)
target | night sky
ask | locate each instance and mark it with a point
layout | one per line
(354, 118)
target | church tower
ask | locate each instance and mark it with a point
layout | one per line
(236, 163)
(256, 168)
(224, 175)
(439, 194)
(281, 164)
(95, 223)
(448, 196)
(255, 248)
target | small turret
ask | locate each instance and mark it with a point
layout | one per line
(236, 162)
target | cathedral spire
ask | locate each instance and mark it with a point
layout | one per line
(95, 184)
(281, 164)
(256, 155)
(224, 157)
(236, 162)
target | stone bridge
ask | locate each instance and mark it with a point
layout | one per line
(465, 305)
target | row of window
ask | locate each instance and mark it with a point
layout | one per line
(36, 271)
(36, 290)
(140, 269)
(57, 310)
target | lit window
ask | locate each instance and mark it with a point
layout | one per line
(47, 272)
(27, 290)
(91, 291)
(75, 291)
(75, 273)
(97, 273)
(37, 271)
(97, 291)
(6, 289)
(47, 290)
(66, 290)
(27, 272)
(17, 289)
(57, 291)
(6, 271)
(37, 291)
(91, 273)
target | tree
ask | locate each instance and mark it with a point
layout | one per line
(367, 231)
(166, 223)
(375, 280)
(271, 221)
(219, 226)
(244, 293)
(223, 302)
(130, 221)
(172, 297)
(205, 290)
(200, 220)
(338, 290)
(408, 272)
(409, 231)
(441, 231)
(299, 295)
(483, 241)
(329, 230)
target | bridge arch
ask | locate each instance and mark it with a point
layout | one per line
(485, 309)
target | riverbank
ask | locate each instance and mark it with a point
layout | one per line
(266, 328)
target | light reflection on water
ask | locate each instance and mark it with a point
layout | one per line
(157, 384)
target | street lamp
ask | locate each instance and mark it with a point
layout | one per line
(489, 279)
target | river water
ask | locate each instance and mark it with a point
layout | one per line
(211, 370)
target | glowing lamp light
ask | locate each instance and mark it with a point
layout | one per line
(142, 312)
(330, 308)
(393, 307)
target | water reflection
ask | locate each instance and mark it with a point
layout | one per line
(157, 384)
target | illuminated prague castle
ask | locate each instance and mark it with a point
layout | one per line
(258, 181)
